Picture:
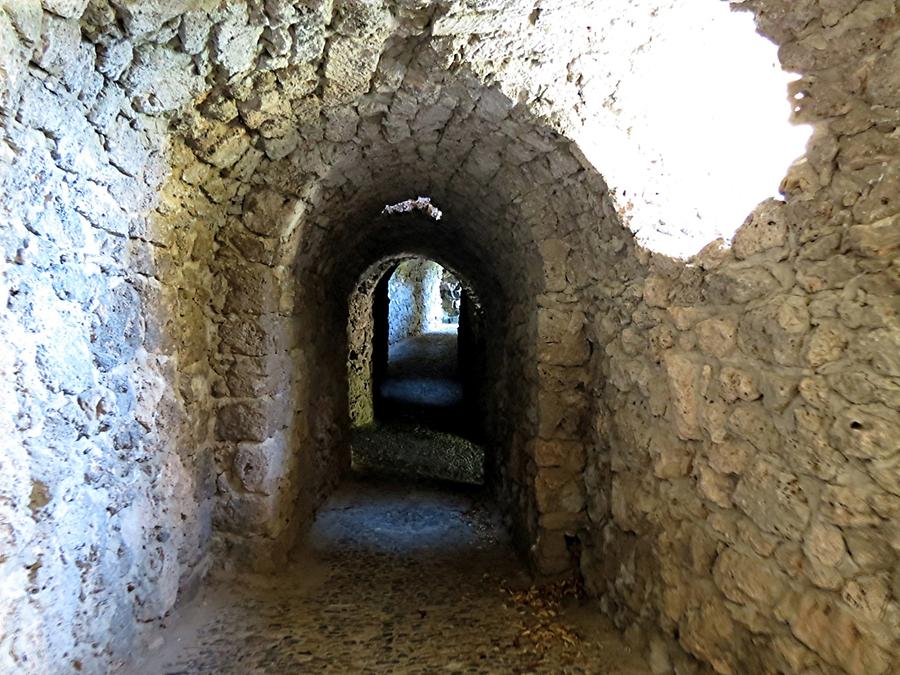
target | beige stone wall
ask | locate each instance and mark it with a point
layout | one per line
(743, 486)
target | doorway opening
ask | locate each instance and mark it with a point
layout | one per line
(424, 357)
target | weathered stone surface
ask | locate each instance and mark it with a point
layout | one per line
(830, 631)
(765, 229)
(716, 337)
(684, 383)
(243, 422)
(749, 579)
(558, 490)
(557, 453)
(562, 338)
(773, 498)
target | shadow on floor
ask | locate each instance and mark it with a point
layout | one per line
(392, 578)
(422, 384)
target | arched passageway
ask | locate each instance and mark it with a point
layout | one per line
(689, 379)
(416, 354)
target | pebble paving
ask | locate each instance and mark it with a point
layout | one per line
(392, 578)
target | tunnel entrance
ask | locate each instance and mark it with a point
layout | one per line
(419, 378)
(421, 366)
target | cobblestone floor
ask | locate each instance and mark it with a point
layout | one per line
(392, 578)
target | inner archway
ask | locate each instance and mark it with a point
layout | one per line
(415, 354)
(432, 324)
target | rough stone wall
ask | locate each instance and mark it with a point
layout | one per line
(106, 466)
(412, 290)
(321, 203)
(743, 486)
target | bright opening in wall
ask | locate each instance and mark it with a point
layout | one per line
(688, 121)
(423, 298)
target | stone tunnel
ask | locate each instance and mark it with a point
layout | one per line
(688, 346)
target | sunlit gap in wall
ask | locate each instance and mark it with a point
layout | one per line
(422, 204)
(696, 133)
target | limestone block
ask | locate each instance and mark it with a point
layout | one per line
(68, 9)
(714, 413)
(116, 327)
(745, 578)
(824, 547)
(26, 17)
(826, 343)
(126, 147)
(883, 83)
(561, 337)
(662, 337)
(309, 36)
(550, 554)
(686, 317)
(730, 456)
(219, 144)
(828, 274)
(830, 631)
(555, 253)
(249, 335)
(848, 505)
(739, 286)
(566, 522)
(866, 432)
(716, 337)
(560, 414)
(244, 421)
(270, 214)
(778, 389)
(60, 39)
(713, 486)
(558, 490)
(194, 30)
(877, 240)
(753, 423)
(569, 455)
(671, 457)
(161, 80)
(107, 106)
(737, 384)
(868, 597)
(257, 376)
(869, 551)
(708, 632)
(764, 229)
(684, 384)
(142, 17)
(361, 18)
(254, 289)
(656, 291)
(235, 44)
(773, 498)
(259, 466)
(349, 67)
(64, 365)
(562, 378)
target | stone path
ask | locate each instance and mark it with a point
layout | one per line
(392, 578)
(422, 383)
